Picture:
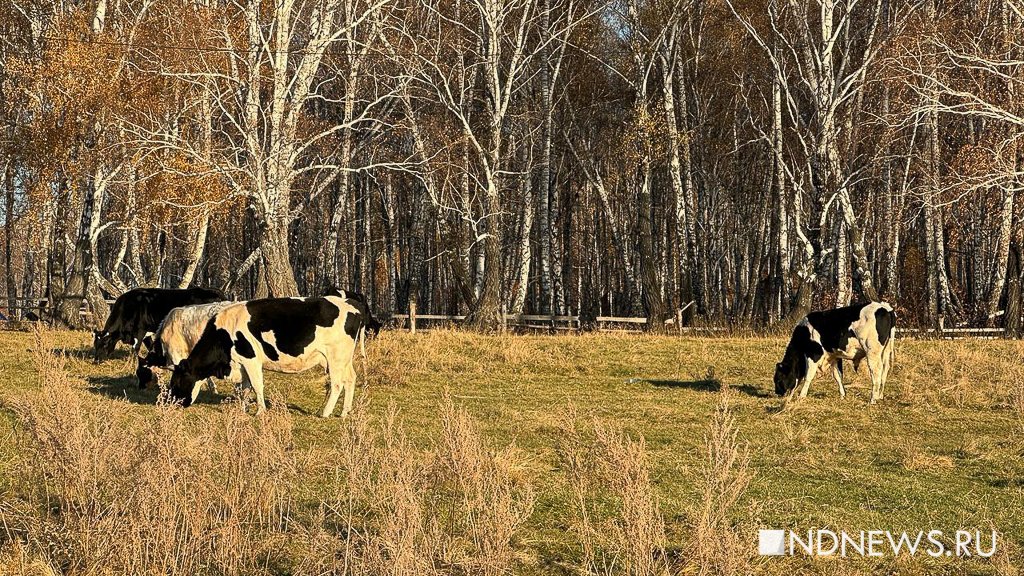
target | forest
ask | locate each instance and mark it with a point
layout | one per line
(746, 161)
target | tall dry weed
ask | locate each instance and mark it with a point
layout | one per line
(456, 507)
(617, 515)
(716, 547)
(107, 492)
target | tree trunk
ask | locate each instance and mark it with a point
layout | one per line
(198, 247)
(653, 304)
(487, 314)
(523, 257)
(277, 269)
(1015, 293)
(844, 283)
(12, 288)
(780, 289)
(546, 300)
(74, 292)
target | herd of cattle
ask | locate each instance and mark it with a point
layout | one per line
(198, 335)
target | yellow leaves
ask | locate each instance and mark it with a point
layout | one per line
(180, 183)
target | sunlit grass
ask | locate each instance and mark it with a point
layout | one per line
(943, 451)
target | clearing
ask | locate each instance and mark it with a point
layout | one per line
(942, 451)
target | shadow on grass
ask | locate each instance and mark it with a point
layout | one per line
(1005, 482)
(296, 408)
(127, 388)
(710, 385)
(87, 354)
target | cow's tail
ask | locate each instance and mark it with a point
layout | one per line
(362, 341)
(892, 340)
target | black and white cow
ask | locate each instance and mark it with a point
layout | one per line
(822, 340)
(174, 339)
(280, 334)
(139, 312)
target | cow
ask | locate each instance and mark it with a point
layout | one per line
(139, 312)
(174, 339)
(371, 325)
(822, 340)
(288, 335)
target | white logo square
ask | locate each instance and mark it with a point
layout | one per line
(771, 542)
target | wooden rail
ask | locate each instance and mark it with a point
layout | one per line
(37, 306)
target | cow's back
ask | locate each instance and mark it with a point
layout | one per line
(141, 310)
(885, 323)
(182, 328)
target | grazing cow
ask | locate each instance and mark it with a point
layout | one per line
(822, 340)
(371, 325)
(175, 338)
(283, 335)
(139, 312)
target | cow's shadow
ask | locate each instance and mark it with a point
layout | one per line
(123, 388)
(710, 385)
(87, 354)
(127, 388)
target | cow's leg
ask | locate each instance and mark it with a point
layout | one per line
(837, 374)
(142, 372)
(886, 365)
(340, 374)
(350, 386)
(812, 370)
(873, 358)
(254, 374)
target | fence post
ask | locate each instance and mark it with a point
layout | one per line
(412, 315)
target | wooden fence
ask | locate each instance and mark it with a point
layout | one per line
(38, 309)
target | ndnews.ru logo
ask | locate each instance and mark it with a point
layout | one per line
(876, 543)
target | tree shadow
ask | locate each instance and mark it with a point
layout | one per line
(710, 385)
(1001, 482)
(296, 408)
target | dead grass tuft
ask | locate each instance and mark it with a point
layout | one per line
(617, 514)
(717, 547)
(107, 492)
(917, 458)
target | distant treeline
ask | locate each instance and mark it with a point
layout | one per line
(496, 157)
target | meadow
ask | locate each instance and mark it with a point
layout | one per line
(507, 454)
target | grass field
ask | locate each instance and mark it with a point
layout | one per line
(508, 454)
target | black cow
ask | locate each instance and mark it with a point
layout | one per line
(139, 312)
(281, 334)
(824, 339)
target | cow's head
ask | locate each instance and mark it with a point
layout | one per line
(785, 378)
(103, 345)
(145, 376)
(155, 356)
(371, 324)
(183, 380)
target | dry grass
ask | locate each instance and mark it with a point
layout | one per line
(103, 492)
(717, 547)
(617, 516)
(468, 454)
